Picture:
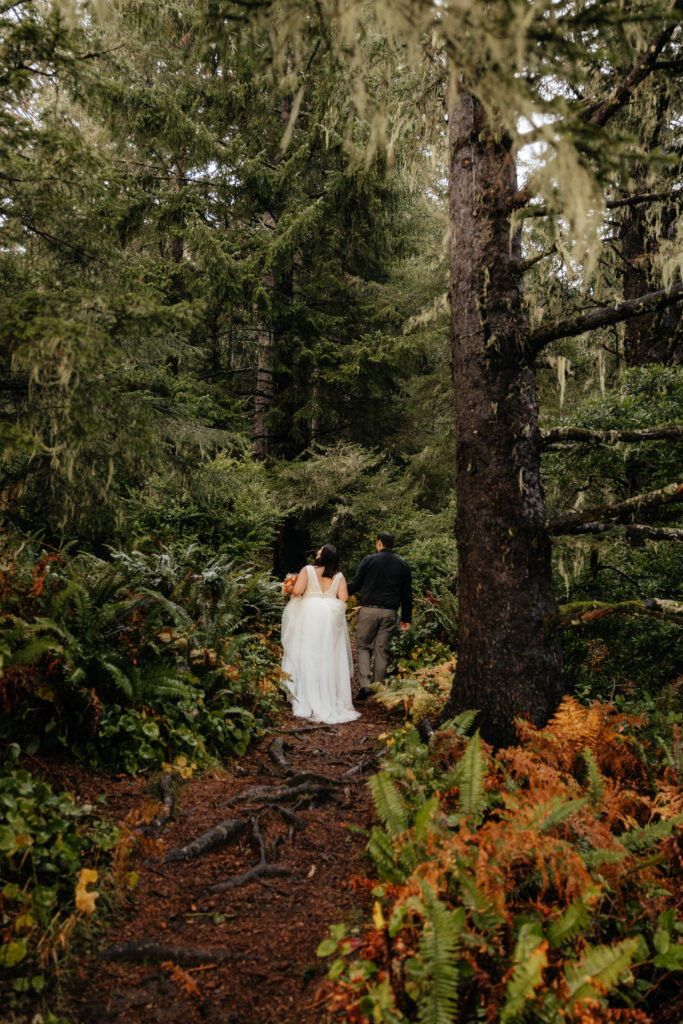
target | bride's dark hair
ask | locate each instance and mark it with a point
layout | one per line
(329, 559)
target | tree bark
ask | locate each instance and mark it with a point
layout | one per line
(508, 664)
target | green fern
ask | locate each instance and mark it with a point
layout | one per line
(595, 779)
(556, 811)
(599, 970)
(438, 952)
(573, 921)
(461, 724)
(530, 959)
(390, 806)
(639, 839)
(382, 852)
(472, 779)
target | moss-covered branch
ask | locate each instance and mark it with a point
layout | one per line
(585, 436)
(600, 113)
(584, 612)
(621, 510)
(570, 327)
(632, 531)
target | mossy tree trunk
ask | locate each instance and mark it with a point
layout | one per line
(508, 663)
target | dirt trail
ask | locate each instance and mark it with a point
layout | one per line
(270, 927)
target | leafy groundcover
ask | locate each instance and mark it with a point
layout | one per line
(538, 884)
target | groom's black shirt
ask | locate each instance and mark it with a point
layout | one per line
(386, 582)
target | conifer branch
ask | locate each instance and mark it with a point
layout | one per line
(522, 198)
(641, 197)
(569, 327)
(599, 114)
(533, 260)
(585, 436)
(622, 509)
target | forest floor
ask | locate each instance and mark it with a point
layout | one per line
(268, 929)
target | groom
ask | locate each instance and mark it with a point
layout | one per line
(385, 583)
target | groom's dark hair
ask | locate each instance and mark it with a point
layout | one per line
(386, 538)
(329, 559)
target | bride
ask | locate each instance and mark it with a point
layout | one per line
(315, 643)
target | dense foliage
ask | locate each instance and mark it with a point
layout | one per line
(137, 660)
(538, 883)
(53, 851)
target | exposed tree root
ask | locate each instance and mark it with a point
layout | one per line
(167, 807)
(307, 728)
(289, 816)
(363, 766)
(221, 834)
(261, 870)
(276, 752)
(150, 951)
(282, 794)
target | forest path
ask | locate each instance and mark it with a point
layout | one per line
(270, 926)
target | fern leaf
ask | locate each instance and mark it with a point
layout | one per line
(599, 970)
(120, 679)
(472, 780)
(639, 839)
(462, 723)
(596, 858)
(573, 921)
(556, 811)
(382, 852)
(390, 806)
(530, 958)
(35, 649)
(438, 952)
(595, 779)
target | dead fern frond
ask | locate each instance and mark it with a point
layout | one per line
(182, 979)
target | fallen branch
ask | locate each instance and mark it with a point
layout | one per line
(167, 807)
(585, 612)
(140, 951)
(219, 835)
(261, 870)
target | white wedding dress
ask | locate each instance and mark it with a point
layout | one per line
(317, 654)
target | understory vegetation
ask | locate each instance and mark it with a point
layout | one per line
(227, 287)
(540, 882)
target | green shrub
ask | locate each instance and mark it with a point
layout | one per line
(136, 660)
(46, 842)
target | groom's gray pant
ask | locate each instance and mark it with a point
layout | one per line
(374, 630)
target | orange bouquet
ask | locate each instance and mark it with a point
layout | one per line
(288, 583)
